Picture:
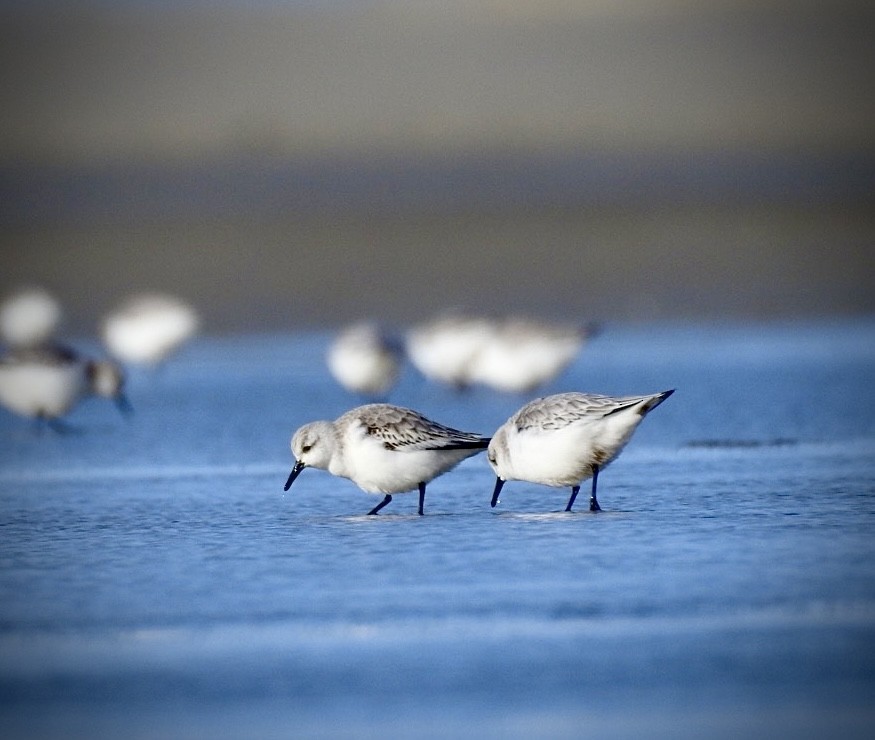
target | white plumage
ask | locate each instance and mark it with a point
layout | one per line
(511, 355)
(445, 349)
(47, 382)
(564, 439)
(383, 449)
(147, 328)
(522, 354)
(364, 360)
(29, 317)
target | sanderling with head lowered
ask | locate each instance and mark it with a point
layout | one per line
(47, 382)
(564, 439)
(147, 328)
(383, 449)
(364, 359)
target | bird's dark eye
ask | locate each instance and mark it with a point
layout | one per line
(491, 456)
(306, 448)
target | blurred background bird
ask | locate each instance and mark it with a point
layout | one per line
(46, 382)
(366, 360)
(523, 354)
(444, 349)
(146, 329)
(512, 355)
(29, 317)
(40, 377)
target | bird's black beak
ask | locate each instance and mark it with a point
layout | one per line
(498, 484)
(296, 471)
(124, 405)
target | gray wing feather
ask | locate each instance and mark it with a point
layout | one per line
(404, 429)
(557, 412)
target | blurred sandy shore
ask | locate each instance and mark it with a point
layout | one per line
(399, 261)
(287, 165)
(96, 81)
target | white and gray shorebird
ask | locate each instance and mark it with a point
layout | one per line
(46, 382)
(511, 355)
(565, 439)
(445, 349)
(147, 328)
(522, 354)
(364, 359)
(383, 449)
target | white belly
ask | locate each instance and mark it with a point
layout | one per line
(566, 456)
(41, 390)
(375, 469)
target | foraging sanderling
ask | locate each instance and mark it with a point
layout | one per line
(29, 317)
(564, 439)
(523, 354)
(445, 348)
(364, 359)
(147, 328)
(383, 449)
(47, 382)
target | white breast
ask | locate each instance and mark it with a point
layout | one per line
(34, 389)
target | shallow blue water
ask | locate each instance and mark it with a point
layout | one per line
(155, 581)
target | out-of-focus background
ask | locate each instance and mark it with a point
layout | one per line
(696, 178)
(300, 163)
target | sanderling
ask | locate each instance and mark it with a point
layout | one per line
(147, 328)
(383, 449)
(29, 317)
(564, 439)
(364, 360)
(445, 348)
(46, 382)
(523, 354)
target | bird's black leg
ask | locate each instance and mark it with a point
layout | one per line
(421, 497)
(498, 484)
(59, 426)
(574, 492)
(593, 501)
(380, 505)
